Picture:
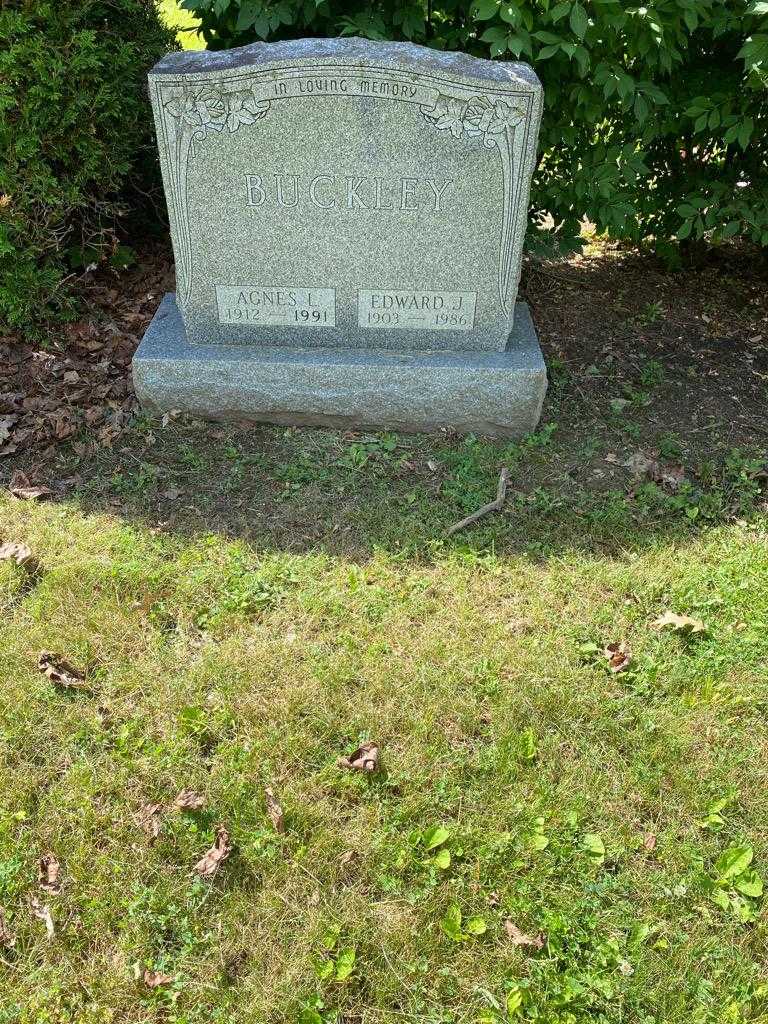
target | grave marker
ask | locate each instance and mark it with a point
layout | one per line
(347, 219)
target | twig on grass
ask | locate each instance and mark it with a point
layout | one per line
(492, 506)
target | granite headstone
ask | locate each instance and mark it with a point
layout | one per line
(347, 220)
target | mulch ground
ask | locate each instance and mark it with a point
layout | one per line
(613, 325)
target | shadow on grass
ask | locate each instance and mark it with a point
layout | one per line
(643, 365)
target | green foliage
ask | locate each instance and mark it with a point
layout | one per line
(459, 928)
(735, 886)
(655, 120)
(75, 136)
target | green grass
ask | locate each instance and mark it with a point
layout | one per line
(225, 663)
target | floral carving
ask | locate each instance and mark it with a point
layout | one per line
(477, 116)
(212, 110)
(193, 115)
(493, 120)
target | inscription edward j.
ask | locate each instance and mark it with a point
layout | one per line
(325, 191)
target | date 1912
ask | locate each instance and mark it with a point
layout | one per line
(282, 306)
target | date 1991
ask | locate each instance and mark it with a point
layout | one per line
(258, 306)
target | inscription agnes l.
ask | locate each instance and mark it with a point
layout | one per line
(284, 305)
(326, 191)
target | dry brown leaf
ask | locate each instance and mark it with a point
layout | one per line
(148, 819)
(668, 476)
(18, 553)
(274, 810)
(212, 859)
(639, 464)
(618, 656)
(21, 487)
(61, 672)
(49, 874)
(7, 938)
(6, 426)
(519, 938)
(43, 913)
(649, 842)
(189, 800)
(154, 979)
(364, 759)
(679, 623)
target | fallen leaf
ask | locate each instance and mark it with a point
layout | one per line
(6, 426)
(61, 672)
(189, 800)
(49, 874)
(670, 476)
(20, 487)
(154, 979)
(43, 913)
(7, 938)
(148, 819)
(168, 417)
(18, 553)
(679, 623)
(274, 810)
(618, 656)
(649, 842)
(104, 715)
(639, 464)
(212, 859)
(364, 759)
(519, 938)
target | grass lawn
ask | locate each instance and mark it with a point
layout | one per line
(522, 781)
(547, 840)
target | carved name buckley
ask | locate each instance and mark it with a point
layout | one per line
(353, 192)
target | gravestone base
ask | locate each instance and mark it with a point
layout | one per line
(497, 394)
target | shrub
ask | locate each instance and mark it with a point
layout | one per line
(75, 134)
(656, 120)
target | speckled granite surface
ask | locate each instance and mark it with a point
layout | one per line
(496, 393)
(346, 193)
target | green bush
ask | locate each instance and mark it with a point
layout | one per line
(76, 136)
(656, 115)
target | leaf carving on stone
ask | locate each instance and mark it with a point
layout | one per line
(448, 115)
(202, 109)
(477, 117)
(214, 110)
(244, 108)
